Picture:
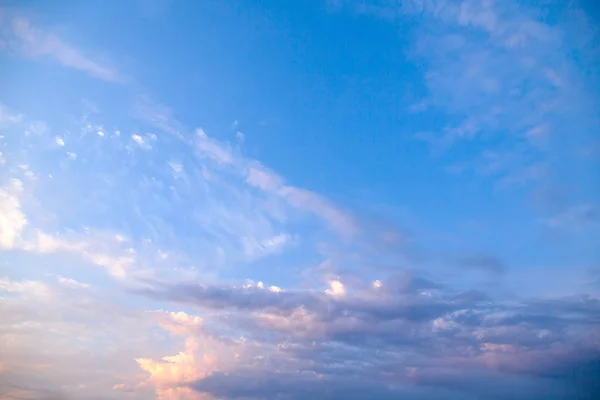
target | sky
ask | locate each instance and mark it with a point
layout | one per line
(304, 199)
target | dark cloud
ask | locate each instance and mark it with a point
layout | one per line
(404, 297)
(409, 338)
(292, 386)
(424, 383)
(485, 262)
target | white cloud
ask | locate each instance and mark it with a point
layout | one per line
(255, 248)
(499, 72)
(213, 150)
(72, 283)
(25, 287)
(337, 288)
(117, 262)
(138, 140)
(225, 160)
(158, 115)
(263, 179)
(36, 128)
(176, 167)
(260, 177)
(180, 323)
(12, 219)
(9, 118)
(275, 289)
(21, 36)
(310, 201)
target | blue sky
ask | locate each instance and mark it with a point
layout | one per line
(308, 199)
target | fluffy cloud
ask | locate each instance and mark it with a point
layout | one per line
(12, 218)
(202, 355)
(402, 324)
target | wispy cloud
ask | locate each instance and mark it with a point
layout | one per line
(15, 236)
(575, 218)
(260, 177)
(500, 73)
(270, 290)
(223, 156)
(20, 36)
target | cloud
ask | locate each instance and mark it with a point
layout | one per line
(7, 117)
(252, 171)
(275, 244)
(202, 355)
(268, 181)
(12, 218)
(576, 218)
(144, 142)
(401, 316)
(234, 223)
(168, 374)
(180, 323)
(93, 339)
(337, 288)
(301, 385)
(197, 209)
(258, 176)
(213, 150)
(253, 221)
(24, 38)
(99, 252)
(320, 206)
(158, 115)
(70, 282)
(25, 288)
(502, 76)
(484, 262)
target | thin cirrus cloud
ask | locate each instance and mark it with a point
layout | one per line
(497, 70)
(253, 172)
(258, 176)
(142, 258)
(19, 35)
